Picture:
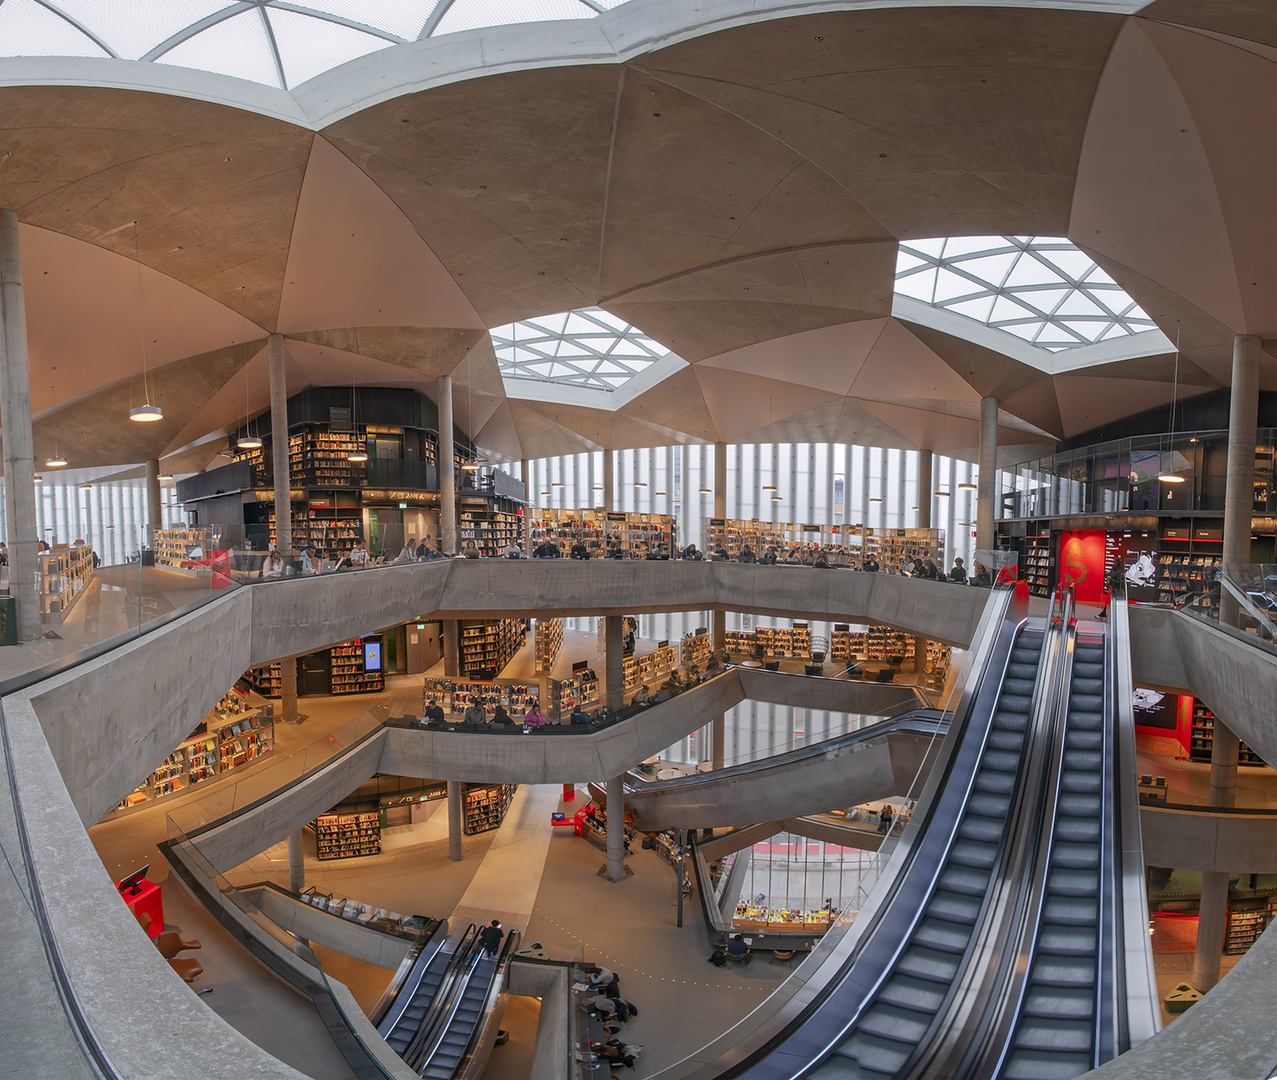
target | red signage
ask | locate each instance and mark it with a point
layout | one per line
(1082, 563)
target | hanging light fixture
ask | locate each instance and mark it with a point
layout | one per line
(39, 479)
(1166, 476)
(86, 486)
(148, 413)
(777, 498)
(966, 485)
(706, 491)
(164, 476)
(360, 453)
(875, 499)
(942, 494)
(640, 483)
(57, 461)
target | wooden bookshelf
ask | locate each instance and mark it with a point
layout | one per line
(1202, 738)
(490, 530)
(695, 650)
(347, 836)
(489, 646)
(348, 672)
(1244, 927)
(548, 641)
(485, 807)
(64, 573)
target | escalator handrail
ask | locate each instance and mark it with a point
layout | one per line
(991, 646)
(490, 1003)
(1140, 1016)
(436, 1012)
(973, 1000)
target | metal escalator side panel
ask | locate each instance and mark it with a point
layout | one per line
(435, 1015)
(429, 954)
(1137, 1003)
(843, 975)
(484, 1035)
(452, 1003)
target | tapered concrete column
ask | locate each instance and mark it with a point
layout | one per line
(279, 450)
(718, 740)
(288, 689)
(454, 820)
(1210, 930)
(718, 640)
(451, 648)
(1239, 492)
(1223, 765)
(720, 480)
(296, 861)
(447, 470)
(609, 479)
(718, 630)
(154, 505)
(614, 662)
(616, 828)
(525, 476)
(925, 488)
(15, 419)
(988, 470)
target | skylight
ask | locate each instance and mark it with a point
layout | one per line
(589, 347)
(280, 43)
(1040, 289)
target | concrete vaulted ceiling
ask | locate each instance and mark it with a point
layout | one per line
(736, 193)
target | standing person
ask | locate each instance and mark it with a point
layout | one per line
(884, 818)
(1116, 579)
(491, 937)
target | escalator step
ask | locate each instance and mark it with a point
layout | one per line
(955, 907)
(1072, 882)
(1069, 910)
(883, 1057)
(1087, 684)
(963, 879)
(1084, 761)
(1012, 741)
(1075, 856)
(978, 827)
(1001, 761)
(1014, 703)
(999, 783)
(920, 995)
(1085, 720)
(1082, 783)
(1057, 1036)
(1051, 970)
(927, 964)
(1092, 703)
(890, 1022)
(1077, 739)
(988, 805)
(942, 935)
(1066, 940)
(1077, 830)
(1059, 1002)
(1035, 1065)
(1079, 804)
(974, 853)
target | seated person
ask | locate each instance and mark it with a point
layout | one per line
(614, 551)
(713, 665)
(747, 555)
(580, 716)
(534, 717)
(720, 552)
(433, 713)
(469, 551)
(599, 976)
(737, 946)
(475, 714)
(500, 716)
(643, 697)
(512, 551)
(690, 552)
(959, 572)
(580, 551)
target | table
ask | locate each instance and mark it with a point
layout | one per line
(148, 900)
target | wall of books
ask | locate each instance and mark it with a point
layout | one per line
(347, 836)
(490, 530)
(650, 669)
(457, 695)
(486, 647)
(64, 572)
(635, 535)
(485, 806)
(850, 543)
(548, 640)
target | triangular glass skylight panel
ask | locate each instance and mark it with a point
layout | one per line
(1078, 304)
(931, 248)
(238, 46)
(1072, 262)
(1005, 308)
(1043, 300)
(478, 14)
(991, 268)
(309, 46)
(1028, 271)
(29, 29)
(974, 309)
(957, 246)
(403, 18)
(950, 286)
(1099, 277)
(906, 261)
(131, 30)
(920, 285)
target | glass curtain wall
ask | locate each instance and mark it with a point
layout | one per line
(803, 483)
(110, 516)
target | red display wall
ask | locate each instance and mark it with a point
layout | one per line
(1082, 563)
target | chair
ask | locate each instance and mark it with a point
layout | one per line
(738, 958)
(170, 943)
(783, 955)
(187, 968)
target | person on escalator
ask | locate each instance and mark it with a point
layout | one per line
(1116, 580)
(490, 937)
(884, 818)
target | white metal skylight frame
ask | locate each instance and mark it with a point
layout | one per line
(1041, 290)
(588, 348)
(278, 43)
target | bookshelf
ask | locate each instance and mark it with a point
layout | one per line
(1180, 574)
(349, 673)
(456, 695)
(64, 574)
(548, 640)
(1202, 737)
(695, 650)
(486, 647)
(171, 545)
(636, 534)
(319, 459)
(1037, 564)
(485, 807)
(650, 669)
(582, 689)
(347, 836)
(491, 530)
(266, 680)
(1244, 928)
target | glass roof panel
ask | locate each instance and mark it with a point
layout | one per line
(130, 29)
(403, 18)
(476, 14)
(238, 46)
(589, 347)
(309, 46)
(29, 29)
(1040, 289)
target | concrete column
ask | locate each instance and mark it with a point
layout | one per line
(988, 468)
(1210, 930)
(616, 828)
(718, 735)
(15, 420)
(720, 480)
(288, 689)
(919, 654)
(1223, 766)
(279, 451)
(1239, 493)
(296, 861)
(447, 471)
(717, 630)
(154, 505)
(451, 648)
(454, 820)
(609, 479)
(614, 663)
(925, 488)
(524, 475)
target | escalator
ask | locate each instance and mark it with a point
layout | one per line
(417, 999)
(1006, 939)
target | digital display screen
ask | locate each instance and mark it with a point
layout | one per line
(1152, 708)
(372, 655)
